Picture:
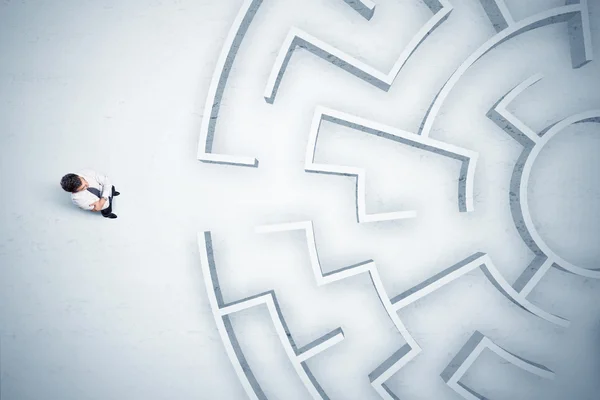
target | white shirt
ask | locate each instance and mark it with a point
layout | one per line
(84, 198)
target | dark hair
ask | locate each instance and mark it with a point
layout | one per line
(70, 182)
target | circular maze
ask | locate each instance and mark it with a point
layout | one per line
(315, 356)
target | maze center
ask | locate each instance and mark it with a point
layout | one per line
(563, 192)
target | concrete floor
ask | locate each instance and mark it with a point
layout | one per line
(92, 308)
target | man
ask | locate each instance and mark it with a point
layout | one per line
(91, 191)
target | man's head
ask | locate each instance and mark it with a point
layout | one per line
(73, 183)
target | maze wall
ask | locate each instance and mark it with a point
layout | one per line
(303, 304)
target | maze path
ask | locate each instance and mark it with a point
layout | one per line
(519, 197)
(298, 357)
(217, 87)
(467, 158)
(533, 143)
(397, 360)
(297, 38)
(221, 312)
(580, 40)
(477, 260)
(508, 121)
(465, 358)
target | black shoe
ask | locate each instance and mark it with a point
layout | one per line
(111, 216)
(116, 193)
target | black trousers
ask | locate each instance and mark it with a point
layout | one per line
(107, 211)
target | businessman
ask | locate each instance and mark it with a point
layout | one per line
(91, 191)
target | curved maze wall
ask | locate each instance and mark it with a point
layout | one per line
(396, 290)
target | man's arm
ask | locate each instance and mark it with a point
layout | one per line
(99, 205)
(83, 204)
(106, 185)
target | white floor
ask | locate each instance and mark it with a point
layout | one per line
(92, 308)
